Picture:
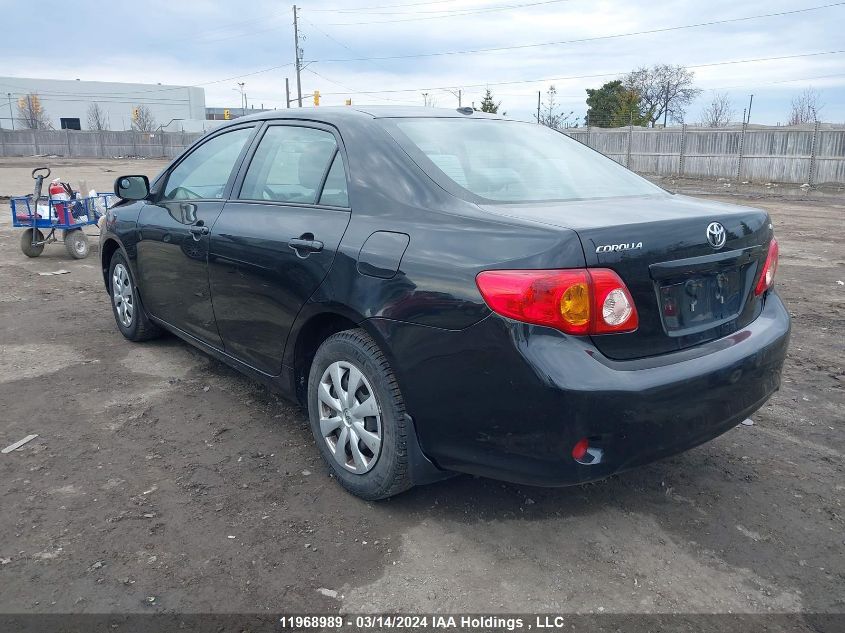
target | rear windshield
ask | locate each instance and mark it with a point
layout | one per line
(509, 161)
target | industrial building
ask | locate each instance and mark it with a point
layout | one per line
(67, 103)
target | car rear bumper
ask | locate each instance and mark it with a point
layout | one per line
(509, 400)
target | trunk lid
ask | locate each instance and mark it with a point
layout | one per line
(685, 290)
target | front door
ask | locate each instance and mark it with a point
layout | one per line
(276, 239)
(173, 232)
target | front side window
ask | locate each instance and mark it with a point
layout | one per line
(508, 161)
(289, 165)
(206, 170)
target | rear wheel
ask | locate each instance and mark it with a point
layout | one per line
(26, 243)
(128, 312)
(76, 243)
(358, 416)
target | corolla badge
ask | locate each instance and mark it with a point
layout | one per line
(716, 235)
(612, 248)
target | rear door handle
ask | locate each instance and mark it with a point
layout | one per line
(307, 246)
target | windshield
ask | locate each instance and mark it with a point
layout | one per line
(508, 161)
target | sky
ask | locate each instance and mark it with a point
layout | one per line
(422, 47)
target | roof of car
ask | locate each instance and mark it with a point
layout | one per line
(339, 113)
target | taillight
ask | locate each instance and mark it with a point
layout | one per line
(575, 301)
(767, 275)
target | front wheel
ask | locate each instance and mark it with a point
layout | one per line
(129, 314)
(26, 243)
(76, 243)
(358, 416)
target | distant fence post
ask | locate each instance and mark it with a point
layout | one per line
(2, 142)
(630, 140)
(683, 149)
(35, 142)
(162, 144)
(813, 148)
(739, 159)
(101, 136)
(67, 142)
(589, 135)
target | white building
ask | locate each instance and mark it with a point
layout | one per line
(66, 103)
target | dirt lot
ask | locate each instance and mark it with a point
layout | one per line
(162, 481)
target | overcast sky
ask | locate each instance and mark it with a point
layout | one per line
(194, 42)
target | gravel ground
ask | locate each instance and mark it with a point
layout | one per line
(162, 481)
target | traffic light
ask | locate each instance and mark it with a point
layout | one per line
(316, 97)
(134, 114)
(349, 102)
(226, 114)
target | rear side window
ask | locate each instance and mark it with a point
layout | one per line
(205, 171)
(334, 191)
(509, 161)
(289, 165)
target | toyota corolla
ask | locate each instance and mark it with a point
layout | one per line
(447, 291)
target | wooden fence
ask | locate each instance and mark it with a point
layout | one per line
(813, 154)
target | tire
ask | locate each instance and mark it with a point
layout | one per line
(129, 314)
(374, 474)
(76, 244)
(26, 243)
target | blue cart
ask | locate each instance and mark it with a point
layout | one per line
(40, 214)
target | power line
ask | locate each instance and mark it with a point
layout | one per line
(598, 75)
(585, 39)
(172, 88)
(455, 13)
(466, 10)
(383, 6)
(341, 44)
(350, 90)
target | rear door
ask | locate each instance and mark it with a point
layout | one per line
(275, 241)
(173, 234)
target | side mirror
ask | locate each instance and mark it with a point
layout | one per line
(132, 187)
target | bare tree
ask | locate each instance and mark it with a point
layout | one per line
(806, 107)
(665, 91)
(31, 113)
(718, 112)
(549, 115)
(143, 119)
(97, 118)
(429, 101)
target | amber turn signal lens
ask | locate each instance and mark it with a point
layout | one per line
(575, 304)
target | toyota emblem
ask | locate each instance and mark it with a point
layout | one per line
(716, 235)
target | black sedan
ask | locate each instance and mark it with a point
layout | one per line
(447, 291)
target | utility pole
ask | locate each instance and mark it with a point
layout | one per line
(750, 101)
(298, 57)
(240, 88)
(457, 93)
(538, 107)
(425, 98)
(287, 93)
(665, 106)
(11, 115)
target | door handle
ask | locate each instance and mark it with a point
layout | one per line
(301, 245)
